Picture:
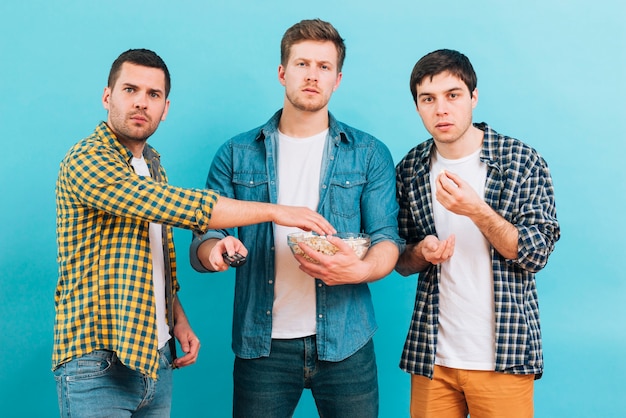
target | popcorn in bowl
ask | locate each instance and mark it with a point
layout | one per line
(360, 243)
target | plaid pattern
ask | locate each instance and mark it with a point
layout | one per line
(519, 187)
(104, 296)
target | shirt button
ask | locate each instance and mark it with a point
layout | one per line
(320, 316)
(271, 281)
(319, 285)
(268, 313)
(323, 186)
(347, 182)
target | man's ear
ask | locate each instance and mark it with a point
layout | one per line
(167, 108)
(338, 81)
(105, 97)
(281, 74)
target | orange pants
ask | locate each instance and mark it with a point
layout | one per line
(453, 393)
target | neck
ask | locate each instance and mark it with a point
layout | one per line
(135, 146)
(302, 124)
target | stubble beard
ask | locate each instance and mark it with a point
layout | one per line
(307, 105)
(123, 127)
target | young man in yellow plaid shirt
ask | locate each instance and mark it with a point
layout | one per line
(117, 309)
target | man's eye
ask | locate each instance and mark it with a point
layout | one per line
(453, 95)
(129, 89)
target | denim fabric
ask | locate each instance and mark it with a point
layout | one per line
(99, 385)
(357, 194)
(271, 386)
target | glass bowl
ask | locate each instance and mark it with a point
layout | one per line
(360, 243)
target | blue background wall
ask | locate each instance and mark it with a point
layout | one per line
(549, 72)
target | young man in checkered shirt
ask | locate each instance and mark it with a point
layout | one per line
(477, 212)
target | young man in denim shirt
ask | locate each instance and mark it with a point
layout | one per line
(299, 324)
(477, 211)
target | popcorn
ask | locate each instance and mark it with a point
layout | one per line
(358, 242)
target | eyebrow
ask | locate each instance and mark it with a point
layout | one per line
(323, 61)
(453, 89)
(134, 86)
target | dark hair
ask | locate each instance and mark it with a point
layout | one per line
(441, 61)
(312, 30)
(143, 57)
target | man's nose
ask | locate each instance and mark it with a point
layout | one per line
(312, 74)
(141, 101)
(442, 107)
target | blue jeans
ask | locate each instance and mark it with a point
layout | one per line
(99, 385)
(272, 386)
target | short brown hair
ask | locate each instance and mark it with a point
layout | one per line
(143, 57)
(312, 30)
(443, 60)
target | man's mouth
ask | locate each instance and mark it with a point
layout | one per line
(138, 118)
(311, 90)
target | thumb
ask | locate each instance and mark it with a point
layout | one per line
(185, 346)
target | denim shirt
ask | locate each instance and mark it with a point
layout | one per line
(357, 194)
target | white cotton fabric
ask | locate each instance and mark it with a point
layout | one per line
(299, 165)
(158, 264)
(466, 337)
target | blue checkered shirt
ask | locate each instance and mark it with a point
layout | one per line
(518, 187)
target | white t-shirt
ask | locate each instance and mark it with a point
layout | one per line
(299, 167)
(158, 264)
(466, 337)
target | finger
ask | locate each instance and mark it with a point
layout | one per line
(184, 345)
(440, 253)
(217, 262)
(216, 259)
(320, 225)
(194, 347)
(431, 246)
(185, 360)
(449, 247)
(339, 243)
(241, 249)
(232, 245)
(191, 355)
(452, 245)
(313, 255)
(445, 184)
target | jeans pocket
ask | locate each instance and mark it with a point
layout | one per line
(85, 367)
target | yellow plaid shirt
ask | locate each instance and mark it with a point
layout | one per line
(104, 297)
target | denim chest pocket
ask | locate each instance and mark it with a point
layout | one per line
(345, 194)
(251, 186)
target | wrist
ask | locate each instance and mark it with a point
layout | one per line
(272, 210)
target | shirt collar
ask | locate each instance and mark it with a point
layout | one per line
(335, 129)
